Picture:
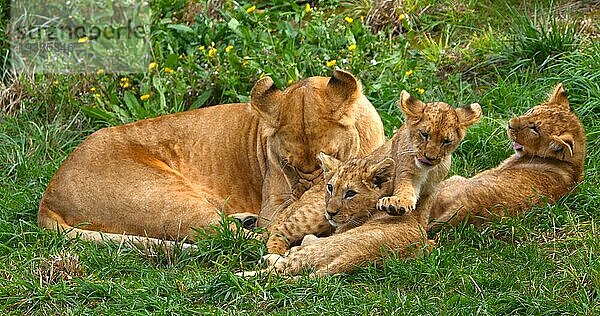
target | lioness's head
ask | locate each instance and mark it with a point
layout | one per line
(314, 115)
(549, 130)
(353, 189)
(435, 128)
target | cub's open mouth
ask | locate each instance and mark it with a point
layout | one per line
(517, 146)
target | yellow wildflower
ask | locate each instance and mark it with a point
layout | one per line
(212, 52)
(245, 61)
(331, 63)
(92, 89)
(251, 9)
(100, 72)
(201, 48)
(352, 47)
(125, 83)
(307, 8)
(228, 48)
(401, 17)
(421, 90)
(168, 70)
(408, 72)
(97, 96)
(290, 81)
(145, 97)
(349, 19)
(152, 66)
(83, 39)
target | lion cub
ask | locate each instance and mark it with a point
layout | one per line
(353, 189)
(549, 143)
(394, 178)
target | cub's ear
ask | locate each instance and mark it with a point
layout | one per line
(382, 172)
(342, 90)
(470, 115)
(411, 107)
(559, 97)
(564, 142)
(328, 163)
(265, 100)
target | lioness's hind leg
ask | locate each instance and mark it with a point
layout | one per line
(136, 195)
(52, 220)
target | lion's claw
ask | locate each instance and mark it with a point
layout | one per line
(396, 205)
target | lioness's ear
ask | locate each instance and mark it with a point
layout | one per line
(328, 163)
(342, 89)
(470, 115)
(564, 142)
(559, 97)
(411, 107)
(265, 100)
(382, 172)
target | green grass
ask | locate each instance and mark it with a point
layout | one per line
(506, 56)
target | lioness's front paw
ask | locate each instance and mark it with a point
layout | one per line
(395, 205)
(248, 220)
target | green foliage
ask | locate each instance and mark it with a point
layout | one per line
(545, 262)
(537, 42)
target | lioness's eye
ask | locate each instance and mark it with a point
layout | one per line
(349, 194)
(424, 135)
(447, 142)
(329, 188)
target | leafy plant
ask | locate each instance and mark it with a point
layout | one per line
(536, 42)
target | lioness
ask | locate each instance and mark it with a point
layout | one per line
(161, 177)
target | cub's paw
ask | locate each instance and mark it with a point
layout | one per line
(395, 205)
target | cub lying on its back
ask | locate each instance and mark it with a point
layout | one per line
(549, 143)
(402, 172)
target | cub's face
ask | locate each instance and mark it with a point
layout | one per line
(314, 115)
(436, 129)
(549, 130)
(353, 189)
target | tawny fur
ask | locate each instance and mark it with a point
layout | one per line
(393, 178)
(342, 253)
(550, 147)
(162, 177)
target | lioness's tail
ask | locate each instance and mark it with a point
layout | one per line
(52, 220)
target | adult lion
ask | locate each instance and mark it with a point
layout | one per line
(161, 177)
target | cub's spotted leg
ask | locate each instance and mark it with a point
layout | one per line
(307, 219)
(303, 217)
